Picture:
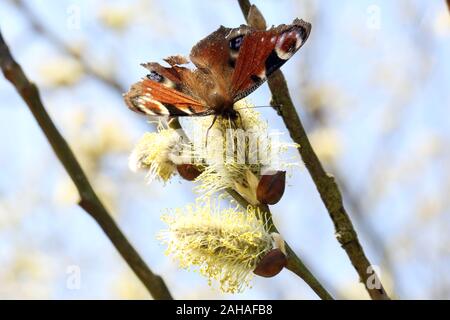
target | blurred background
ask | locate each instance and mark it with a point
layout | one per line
(371, 86)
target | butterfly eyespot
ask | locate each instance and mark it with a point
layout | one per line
(155, 76)
(236, 43)
(288, 43)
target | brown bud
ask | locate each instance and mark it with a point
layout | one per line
(188, 171)
(271, 187)
(271, 264)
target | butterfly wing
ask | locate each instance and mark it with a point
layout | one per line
(240, 59)
(215, 56)
(153, 98)
(166, 92)
(217, 53)
(263, 52)
(231, 63)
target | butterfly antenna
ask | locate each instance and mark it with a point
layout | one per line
(255, 107)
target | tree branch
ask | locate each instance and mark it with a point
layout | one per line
(89, 200)
(325, 183)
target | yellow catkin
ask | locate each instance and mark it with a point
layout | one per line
(225, 244)
(156, 152)
(248, 159)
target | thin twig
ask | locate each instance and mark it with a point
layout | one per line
(325, 183)
(89, 200)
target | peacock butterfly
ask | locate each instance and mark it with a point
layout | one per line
(230, 64)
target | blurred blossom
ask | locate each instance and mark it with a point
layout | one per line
(25, 275)
(91, 153)
(60, 71)
(430, 208)
(327, 143)
(323, 97)
(125, 287)
(116, 18)
(108, 140)
(442, 23)
(350, 288)
(65, 192)
(226, 244)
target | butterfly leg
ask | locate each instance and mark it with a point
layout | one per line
(232, 115)
(238, 117)
(207, 131)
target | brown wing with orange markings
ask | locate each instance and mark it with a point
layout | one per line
(155, 99)
(166, 92)
(263, 52)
